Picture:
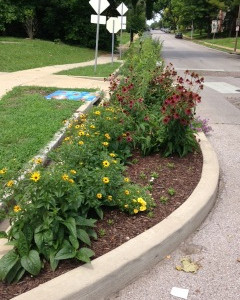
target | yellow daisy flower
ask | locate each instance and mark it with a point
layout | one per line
(81, 133)
(106, 163)
(105, 180)
(80, 143)
(99, 196)
(65, 177)
(10, 183)
(142, 208)
(126, 192)
(73, 172)
(135, 210)
(71, 180)
(105, 144)
(38, 161)
(17, 208)
(126, 205)
(109, 198)
(126, 179)
(35, 176)
(3, 171)
(112, 154)
(92, 126)
(67, 138)
(107, 136)
(97, 112)
(77, 126)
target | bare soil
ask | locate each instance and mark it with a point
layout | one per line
(180, 174)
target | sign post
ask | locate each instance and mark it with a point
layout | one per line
(99, 6)
(214, 27)
(122, 9)
(113, 26)
(237, 29)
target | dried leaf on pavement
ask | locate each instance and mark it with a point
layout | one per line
(188, 265)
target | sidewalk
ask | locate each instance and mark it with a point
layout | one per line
(45, 77)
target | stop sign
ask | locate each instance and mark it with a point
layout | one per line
(113, 25)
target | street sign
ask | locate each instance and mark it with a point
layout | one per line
(113, 25)
(214, 26)
(123, 20)
(122, 9)
(95, 5)
(237, 28)
(102, 19)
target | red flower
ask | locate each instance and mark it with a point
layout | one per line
(166, 120)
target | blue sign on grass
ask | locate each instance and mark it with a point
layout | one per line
(73, 95)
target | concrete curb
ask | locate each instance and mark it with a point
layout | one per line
(116, 269)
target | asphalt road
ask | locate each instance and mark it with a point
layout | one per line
(216, 244)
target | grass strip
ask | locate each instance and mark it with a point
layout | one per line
(103, 70)
(28, 122)
(21, 54)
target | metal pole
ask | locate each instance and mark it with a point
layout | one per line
(235, 46)
(121, 33)
(113, 40)
(97, 36)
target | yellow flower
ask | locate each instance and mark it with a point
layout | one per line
(126, 179)
(142, 208)
(38, 161)
(35, 176)
(105, 144)
(3, 171)
(97, 112)
(106, 163)
(105, 180)
(126, 205)
(107, 136)
(126, 192)
(112, 154)
(71, 180)
(135, 210)
(65, 177)
(134, 200)
(81, 133)
(92, 126)
(10, 183)
(124, 135)
(99, 196)
(97, 133)
(70, 126)
(16, 208)
(114, 161)
(82, 126)
(83, 116)
(77, 126)
(108, 118)
(109, 198)
(73, 172)
(67, 138)
(141, 201)
(64, 121)
(80, 143)
(87, 134)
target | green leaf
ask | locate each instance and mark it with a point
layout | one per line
(38, 238)
(28, 232)
(3, 235)
(92, 233)
(53, 262)
(99, 212)
(84, 254)
(31, 262)
(74, 242)
(66, 252)
(22, 244)
(71, 225)
(83, 236)
(7, 262)
(13, 274)
(85, 222)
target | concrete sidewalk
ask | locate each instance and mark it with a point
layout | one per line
(45, 77)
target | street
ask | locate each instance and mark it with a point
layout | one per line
(215, 244)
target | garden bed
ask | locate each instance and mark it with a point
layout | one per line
(180, 174)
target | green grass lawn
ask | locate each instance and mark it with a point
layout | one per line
(28, 122)
(103, 70)
(225, 42)
(21, 54)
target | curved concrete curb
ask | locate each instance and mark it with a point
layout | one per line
(114, 270)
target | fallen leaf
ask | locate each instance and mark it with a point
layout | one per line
(188, 265)
(168, 256)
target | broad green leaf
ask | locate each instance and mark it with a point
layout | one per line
(74, 241)
(83, 236)
(71, 225)
(66, 252)
(13, 273)
(7, 262)
(3, 235)
(92, 233)
(99, 212)
(22, 244)
(53, 261)
(85, 222)
(31, 262)
(84, 254)
(28, 232)
(38, 238)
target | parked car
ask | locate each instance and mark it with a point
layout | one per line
(178, 35)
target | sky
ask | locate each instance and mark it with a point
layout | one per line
(155, 19)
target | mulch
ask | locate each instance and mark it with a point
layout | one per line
(181, 174)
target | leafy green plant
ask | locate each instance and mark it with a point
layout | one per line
(171, 165)
(171, 191)
(155, 175)
(164, 199)
(110, 222)
(102, 232)
(142, 175)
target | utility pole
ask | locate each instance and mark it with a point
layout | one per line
(237, 29)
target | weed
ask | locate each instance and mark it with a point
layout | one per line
(164, 199)
(142, 175)
(102, 232)
(171, 165)
(110, 222)
(150, 214)
(155, 175)
(171, 191)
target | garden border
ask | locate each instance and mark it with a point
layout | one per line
(116, 269)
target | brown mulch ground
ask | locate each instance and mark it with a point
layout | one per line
(182, 174)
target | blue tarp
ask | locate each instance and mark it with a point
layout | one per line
(73, 95)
